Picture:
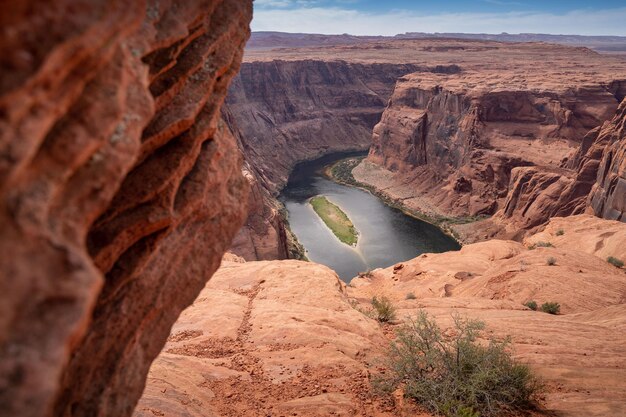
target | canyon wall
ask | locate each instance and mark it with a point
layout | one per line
(608, 195)
(589, 181)
(458, 147)
(285, 112)
(292, 111)
(120, 189)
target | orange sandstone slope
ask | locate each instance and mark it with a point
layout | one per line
(120, 189)
(285, 341)
(581, 353)
(289, 340)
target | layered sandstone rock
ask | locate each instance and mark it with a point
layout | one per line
(608, 196)
(579, 353)
(285, 341)
(538, 193)
(290, 338)
(120, 190)
(456, 139)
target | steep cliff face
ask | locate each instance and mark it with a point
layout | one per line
(608, 196)
(592, 180)
(284, 112)
(120, 189)
(458, 146)
(291, 111)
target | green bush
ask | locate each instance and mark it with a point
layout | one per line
(384, 310)
(615, 262)
(551, 261)
(454, 375)
(410, 296)
(551, 307)
(532, 304)
(541, 245)
(560, 232)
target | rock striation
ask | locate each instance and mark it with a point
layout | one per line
(457, 145)
(284, 112)
(589, 182)
(608, 195)
(120, 189)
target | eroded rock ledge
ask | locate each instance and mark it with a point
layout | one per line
(291, 338)
(120, 189)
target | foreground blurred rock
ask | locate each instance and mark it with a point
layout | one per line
(290, 339)
(119, 190)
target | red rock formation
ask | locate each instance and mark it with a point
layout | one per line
(460, 145)
(284, 112)
(608, 196)
(292, 111)
(120, 189)
(592, 179)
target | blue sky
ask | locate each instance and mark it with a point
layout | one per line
(389, 17)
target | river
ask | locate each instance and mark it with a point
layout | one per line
(386, 235)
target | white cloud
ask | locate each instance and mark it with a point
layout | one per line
(284, 3)
(340, 20)
(504, 3)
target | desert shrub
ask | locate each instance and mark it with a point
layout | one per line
(532, 304)
(383, 309)
(560, 232)
(410, 296)
(615, 262)
(452, 374)
(551, 261)
(551, 307)
(541, 245)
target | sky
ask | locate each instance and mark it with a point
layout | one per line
(390, 17)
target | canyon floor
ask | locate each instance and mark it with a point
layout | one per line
(289, 338)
